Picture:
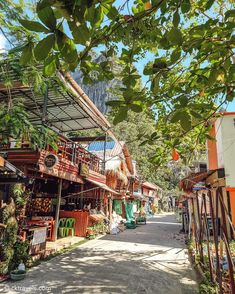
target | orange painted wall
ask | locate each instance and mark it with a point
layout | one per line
(212, 151)
(232, 203)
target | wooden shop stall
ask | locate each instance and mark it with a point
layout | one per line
(54, 173)
(61, 106)
(91, 204)
(120, 174)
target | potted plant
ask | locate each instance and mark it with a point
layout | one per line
(90, 234)
(17, 275)
(20, 258)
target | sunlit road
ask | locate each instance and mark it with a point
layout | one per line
(149, 259)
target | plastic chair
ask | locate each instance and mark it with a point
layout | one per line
(62, 227)
(70, 223)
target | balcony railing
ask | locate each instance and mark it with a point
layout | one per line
(67, 149)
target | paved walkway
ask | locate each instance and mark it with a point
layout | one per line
(148, 260)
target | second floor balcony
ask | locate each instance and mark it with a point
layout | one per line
(71, 156)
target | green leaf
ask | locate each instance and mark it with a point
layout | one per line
(136, 107)
(113, 13)
(33, 26)
(114, 103)
(176, 116)
(184, 118)
(213, 76)
(148, 70)
(195, 114)
(99, 16)
(69, 51)
(176, 19)
(43, 48)
(144, 143)
(46, 15)
(121, 115)
(80, 33)
(27, 55)
(209, 4)
(185, 121)
(16, 49)
(43, 3)
(175, 36)
(176, 142)
(155, 84)
(90, 14)
(229, 13)
(230, 96)
(210, 137)
(175, 55)
(183, 101)
(49, 66)
(185, 7)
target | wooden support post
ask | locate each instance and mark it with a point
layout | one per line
(110, 211)
(225, 238)
(200, 243)
(208, 239)
(215, 236)
(102, 193)
(104, 155)
(195, 229)
(57, 213)
(81, 199)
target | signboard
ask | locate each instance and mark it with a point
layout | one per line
(51, 160)
(84, 170)
(39, 236)
(1, 162)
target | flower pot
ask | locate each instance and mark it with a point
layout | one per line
(17, 275)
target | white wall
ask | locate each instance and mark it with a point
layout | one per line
(228, 148)
(219, 144)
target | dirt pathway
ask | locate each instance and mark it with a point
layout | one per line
(149, 259)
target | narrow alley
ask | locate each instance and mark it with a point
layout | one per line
(149, 259)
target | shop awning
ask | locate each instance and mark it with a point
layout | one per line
(103, 186)
(64, 107)
(188, 183)
(9, 173)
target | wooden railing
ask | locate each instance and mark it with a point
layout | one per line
(72, 151)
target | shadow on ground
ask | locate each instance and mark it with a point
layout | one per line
(146, 260)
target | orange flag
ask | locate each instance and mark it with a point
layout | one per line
(175, 155)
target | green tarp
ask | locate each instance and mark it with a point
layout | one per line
(129, 212)
(117, 206)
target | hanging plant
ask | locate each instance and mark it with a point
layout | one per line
(16, 126)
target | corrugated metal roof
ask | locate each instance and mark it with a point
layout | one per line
(112, 149)
(66, 108)
(99, 146)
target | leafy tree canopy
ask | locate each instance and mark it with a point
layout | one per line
(152, 155)
(191, 44)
